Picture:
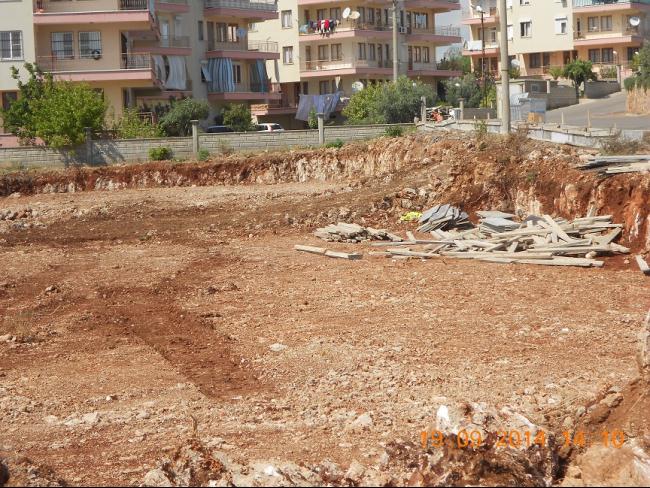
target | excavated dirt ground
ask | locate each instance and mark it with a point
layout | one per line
(139, 316)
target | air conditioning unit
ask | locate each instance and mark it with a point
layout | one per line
(403, 30)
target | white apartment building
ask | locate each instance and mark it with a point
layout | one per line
(547, 33)
(322, 52)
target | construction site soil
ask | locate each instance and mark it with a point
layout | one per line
(168, 333)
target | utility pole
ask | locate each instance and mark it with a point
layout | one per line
(395, 46)
(505, 68)
(482, 12)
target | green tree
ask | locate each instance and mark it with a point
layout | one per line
(468, 87)
(555, 72)
(455, 61)
(55, 111)
(578, 71)
(641, 65)
(312, 119)
(238, 117)
(389, 103)
(176, 122)
(132, 126)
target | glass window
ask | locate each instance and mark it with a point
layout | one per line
(236, 73)
(371, 52)
(594, 55)
(324, 87)
(425, 55)
(607, 55)
(362, 50)
(62, 45)
(323, 54)
(11, 45)
(335, 13)
(592, 24)
(534, 60)
(286, 19)
(287, 55)
(606, 23)
(337, 52)
(200, 30)
(90, 44)
(321, 14)
(526, 29)
(8, 98)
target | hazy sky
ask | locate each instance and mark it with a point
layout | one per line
(452, 18)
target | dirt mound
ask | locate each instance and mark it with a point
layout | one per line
(22, 471)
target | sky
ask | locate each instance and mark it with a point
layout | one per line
(452, 18)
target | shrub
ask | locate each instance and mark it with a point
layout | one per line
(480, 130)
(132, 126)
(394, 131)
(468, 87)
(608, 73)
(641, 63)
(160, 153)
(338, 143)
(238, 117)
(579, 71)
(555, 72)
(177, 122)
(203, 155)
(616, 145)
(312, 119)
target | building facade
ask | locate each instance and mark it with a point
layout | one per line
(547, 33)
(322, 51)
(142, 53)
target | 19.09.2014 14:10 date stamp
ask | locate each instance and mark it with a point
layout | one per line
(516, 439)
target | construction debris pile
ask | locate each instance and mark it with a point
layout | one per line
(344, 232)
(443, 217)
(613, 165)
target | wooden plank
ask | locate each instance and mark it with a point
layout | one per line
(343, 255)
(643, 266)
(310, 249)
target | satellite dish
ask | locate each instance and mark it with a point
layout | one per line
(635, 21)
(355, 15)
(357, 86)
(346, 12)
(241, 32)
(516, 63)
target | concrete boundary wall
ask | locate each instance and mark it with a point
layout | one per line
(106, 152)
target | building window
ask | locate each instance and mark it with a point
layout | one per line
(305, 87)
(607, 55)
(252, 27)
(11, 45)
(286, 19)
(592, 24)
(335, 87)
(362, 51)
(371, 52)
(425, 55)
(236, 73)
(546, 59)
(324, 87)
(321, 14)
(417, 54)
(337, 52)
(8, 98)
(362, 14)
(62, 45)
(323, 54)
(594, 55)
(606, 23)
(561, 25)
(287, 55)
(335, 13)
(200, 29)
(534, 60)
(526, 29)
(90, 44)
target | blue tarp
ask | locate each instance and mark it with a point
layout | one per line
(321, 103)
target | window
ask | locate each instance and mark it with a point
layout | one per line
(606, 23)
(8, 98)
(592, 24)
(362, 14)
(526, 29)
(337, 52)
(11, 45)
(200, 30)
(534, 60)
(287, 55)
(62, 45)
(371, 52)
(323, 87)
(607, 55)
(362, 51)
(335, 87)
(561, 25)
(90, 43)
(307, 53)
(236, 73)
(425, 55)
(321, 14)
(594, 55)
(417, 54)
(335, 13)
(371, 15)
(546, 59)
(323, 54)
(286, 19)
(305, 87)
(252, 27)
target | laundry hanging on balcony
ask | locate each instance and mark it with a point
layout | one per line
(159, 67)
(325, 104)
(259, 79)
(177, 78)
(221, 75)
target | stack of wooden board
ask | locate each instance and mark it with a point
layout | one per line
(443, 217)
(538, 240)
(611, 165)
(344, 232)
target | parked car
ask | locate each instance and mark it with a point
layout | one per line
(272, 127)
(217, 129)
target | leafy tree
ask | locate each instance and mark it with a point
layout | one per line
(641, 64)
(555, 72)
(132, 126)
(176, 122)
(578, 71)
(238, 117)
(312, 119)
(468, 87)
(455, 61)
(388, 103)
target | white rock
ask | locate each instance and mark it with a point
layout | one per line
(90, 418)
(355, 471)
(156, 477)
(362, 422)
(277, 347)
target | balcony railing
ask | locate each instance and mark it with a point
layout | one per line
(65, 6)
(477, 45)
(266, 87)
(58, 64)
(176, 2)
(165, 41)
(442, 30)
(489, 10)
(267, 5)
(601, 3)
(343, 63)
(243, 45)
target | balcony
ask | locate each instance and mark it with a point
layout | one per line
(473, 17)
(128, 67)
(430, 69)
(242, 9)
(475, 48)
(353, 29)
(436, 5)
(597, 37)
(609, 5)
(172, 6)
(276, 107)
(49, 12)
(441, 34)
(344, 66)
(248, 91)
(167, 45)
(243, 49)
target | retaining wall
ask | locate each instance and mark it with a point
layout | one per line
(599, 89)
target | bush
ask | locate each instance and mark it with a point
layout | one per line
(578, 71)
(555, 72)
(160, 153)
(338, 143)
(608, 73)
(395, 131)
(312, 119)
(132, 126)
(177, 122)
(203, 155)
(468, 87)
(641, 63)
(388, 103)
(238, 118)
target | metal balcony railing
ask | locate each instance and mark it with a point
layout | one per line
(134, 5)
(267, 5)
(243, 45)
(329, 64)
(177, 2)
(58, 64)
(600, 3)
(66, 6)
(442, 30)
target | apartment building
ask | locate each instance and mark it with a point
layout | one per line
(546, 33)
(142, 52)
(322, 52)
